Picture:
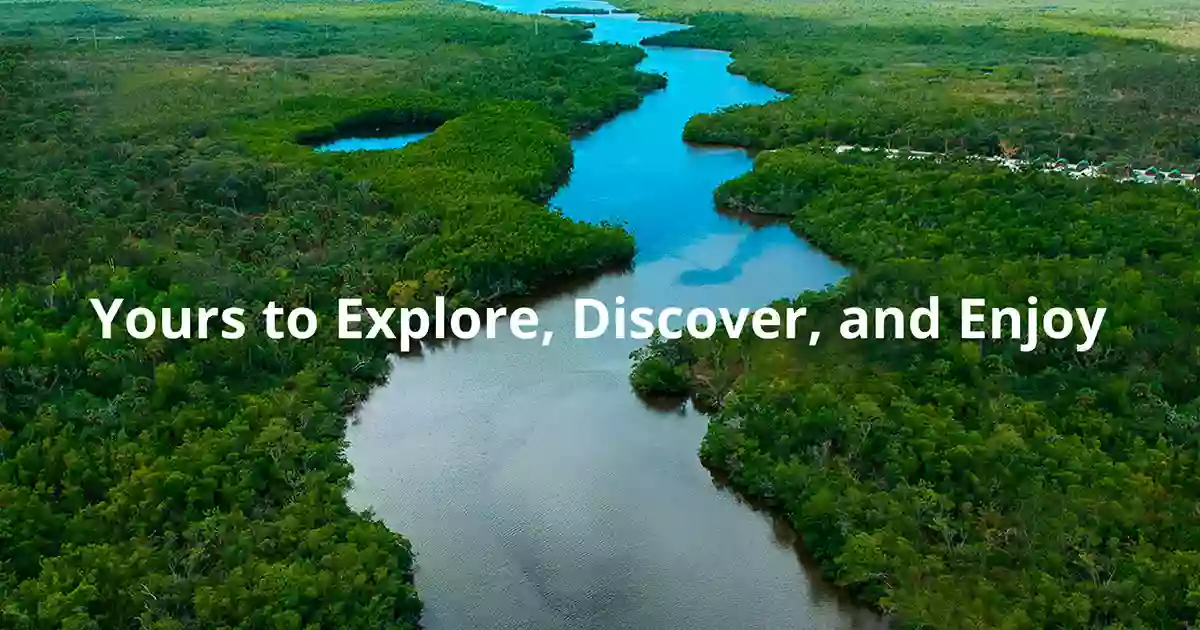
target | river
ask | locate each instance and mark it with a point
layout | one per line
(538, 491)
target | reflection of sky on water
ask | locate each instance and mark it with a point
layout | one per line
(749, 247)
(636, 171)
(538, 491)
(347, 145)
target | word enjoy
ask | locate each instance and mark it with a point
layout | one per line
(595, 318)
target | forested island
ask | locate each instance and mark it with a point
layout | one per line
(161, 151)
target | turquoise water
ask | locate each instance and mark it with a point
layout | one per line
(538, 491)
(346, 145)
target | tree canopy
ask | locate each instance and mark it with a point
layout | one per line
(164, 158)
(965, 483)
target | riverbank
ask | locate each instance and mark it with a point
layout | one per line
(542, 462)
(938, 478)
(1080, 83)
(907, 490)
(203, 482)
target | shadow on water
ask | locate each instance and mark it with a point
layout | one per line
(538, 490)
(788, 539)
(666, 405)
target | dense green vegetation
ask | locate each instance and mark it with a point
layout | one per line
(661, 369)
(968, 484)
(199, 483)
(954, 483)
(160, 152)
(880, 76)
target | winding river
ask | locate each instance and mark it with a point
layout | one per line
(538, 491)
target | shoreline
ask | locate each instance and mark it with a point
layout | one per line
(574, 280)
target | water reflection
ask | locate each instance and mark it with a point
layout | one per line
(391, 143)
(538, 491)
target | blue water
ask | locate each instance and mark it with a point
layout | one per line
(347, 145)
(538, 491)
(643, 151)
(664, 196)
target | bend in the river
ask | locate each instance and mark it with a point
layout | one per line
(538, 491)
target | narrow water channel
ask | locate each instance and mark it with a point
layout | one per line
(538, 491)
